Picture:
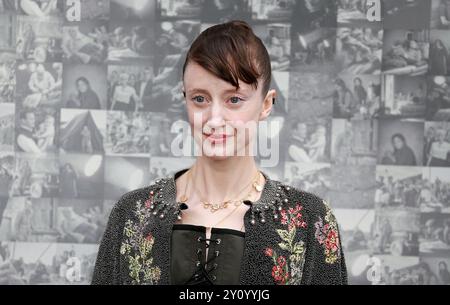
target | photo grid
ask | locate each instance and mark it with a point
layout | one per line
(363, 112)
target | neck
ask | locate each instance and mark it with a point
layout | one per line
(218, 180)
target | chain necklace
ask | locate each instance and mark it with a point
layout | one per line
(214, 207)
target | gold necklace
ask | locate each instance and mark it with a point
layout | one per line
(214, 207)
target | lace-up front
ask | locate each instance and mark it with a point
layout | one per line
(197, 260)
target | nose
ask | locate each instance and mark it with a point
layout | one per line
(216, 118)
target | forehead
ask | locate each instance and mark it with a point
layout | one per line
(196, 77)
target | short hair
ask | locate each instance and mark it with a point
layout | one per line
(232, 52)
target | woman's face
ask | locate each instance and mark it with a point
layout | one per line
(398, 143)
(82, 86)
(223, 120)
(357, 82)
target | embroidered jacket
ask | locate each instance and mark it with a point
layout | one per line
(291, 237)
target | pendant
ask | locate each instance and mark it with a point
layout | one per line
(258, 187)
(183, 198)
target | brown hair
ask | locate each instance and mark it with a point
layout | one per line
(231, 51)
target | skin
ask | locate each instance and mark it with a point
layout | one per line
(216, 174)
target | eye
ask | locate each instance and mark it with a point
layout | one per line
(198, 99)
(235, 100)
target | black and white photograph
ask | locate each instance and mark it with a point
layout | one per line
(82, 131)
(438, 98)
(435, 234)
(399, 187)
(309, 177)
(85, 87)
(85, 43)
(8, 32)
(220, 11)
(7, 127)
(352, 186)
(92, 10)
(137, 134)
(7, 163)
(277, 39)
(440, 14)
(409, 14)
(356, 96)
(435, 193)
(437, 144)
(38, 8)
(436, 270)
(130, 42)
(48, 263)
(39, 39)
(81, 176)
(406, 52)
(39, 84)
(355, 13)
(273, 10)
(36, 130)
(439, 52)
(354, 142)
(309, 15)
(7, 76)
(179, 9)
(162, 166)
(404, 96)
(35, 176)
(116, 183)
(400, 142)
(359, 50)
(132, 10)
(130, 88)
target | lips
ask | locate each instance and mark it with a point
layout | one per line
(216, 138)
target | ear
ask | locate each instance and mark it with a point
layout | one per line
(267, 105)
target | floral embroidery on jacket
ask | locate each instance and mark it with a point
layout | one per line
(327, 235)
(288, 271)
(137, 247)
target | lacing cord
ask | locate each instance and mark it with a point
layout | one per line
(202, 274)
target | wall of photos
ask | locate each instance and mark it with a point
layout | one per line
(364, 108)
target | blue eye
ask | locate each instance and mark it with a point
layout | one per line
(198, 99)
(235, 100)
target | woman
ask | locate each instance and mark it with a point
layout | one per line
(402, 154)
(439, 151)
(222, 220)
(444, 274)
(69, 182)
(360, 92)
(342, 100)
(85, 98)
(124, 97)
(438, 58)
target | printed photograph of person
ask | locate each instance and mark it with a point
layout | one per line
(435, 271)
(79, 221)
(440, 14)
(46, 263)
(309, 15)
(353, 13)
(439, 52)
(277, 40)
(9, 6)
(435, 194)
(35, 176)
(354, 142)
(8, 32)
(92, 9)
(437, 144)
(359, 50)
(36, 131)
(40, 8)
(86, 43)
(7, 76)
(405, 52)
(132, 10)
(404, 96)
(406, 14)
(130, 43)
(85, 86)
(129, 87)
(313, 51)
(180, 9)
(7, 126)
(400, 143)
(162, 166)
(39, 84)
(310, 177)
(398, 186)
(131, 133)
(39, 39)
(81, 176)
(438, 99)
(220, 11)
(272, 10)
(435, 234)
(138, 174)
(82, 131)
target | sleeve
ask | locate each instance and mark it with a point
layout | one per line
(325, 262)
(107, 265)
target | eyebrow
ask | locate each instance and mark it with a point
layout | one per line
(225, 91)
